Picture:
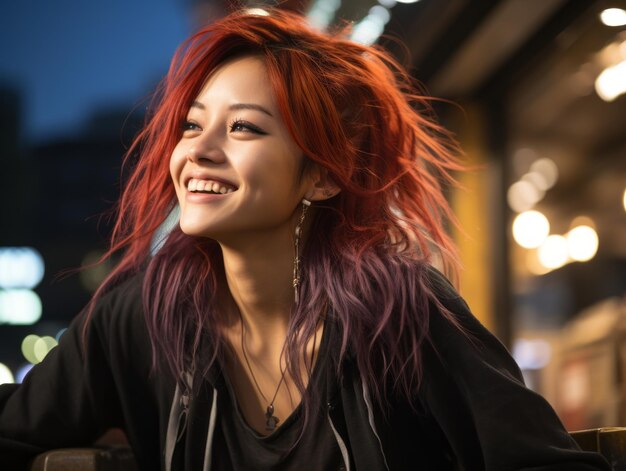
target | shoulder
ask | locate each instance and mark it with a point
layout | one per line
(457, 337)
(448, 310)
(125, 296)
(118, 319)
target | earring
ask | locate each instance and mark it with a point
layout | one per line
(296, 263)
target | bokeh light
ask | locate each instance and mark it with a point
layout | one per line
(35, 348)
(538, 180)
(368, 30)
(5, 374)
(611, 83)
(22, 371)
(613, 17)
(28, 348)
(43, 346)
(20, 267)
(582, 243)
(532, 354)
(530, 229)
(322, 12)
(257, 12)
(19, 307)
(548, 169)
(523, 195)
(553, 252)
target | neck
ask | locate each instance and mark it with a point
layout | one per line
(259, 276)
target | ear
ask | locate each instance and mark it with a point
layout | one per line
(321, 185)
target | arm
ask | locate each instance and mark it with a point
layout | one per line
(475, 392)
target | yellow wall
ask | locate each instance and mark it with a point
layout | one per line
(471, 204)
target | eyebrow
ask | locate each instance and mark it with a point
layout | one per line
(237, 106)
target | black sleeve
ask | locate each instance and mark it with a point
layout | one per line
(475, 392)
(70, 398)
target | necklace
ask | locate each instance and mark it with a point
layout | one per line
(271, 421)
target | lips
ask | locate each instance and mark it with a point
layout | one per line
(197, 185)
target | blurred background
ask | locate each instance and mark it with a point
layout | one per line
(533, 89)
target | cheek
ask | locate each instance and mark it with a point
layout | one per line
(177, 160)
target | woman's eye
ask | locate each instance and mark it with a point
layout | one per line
(240, 125)
(190, 126)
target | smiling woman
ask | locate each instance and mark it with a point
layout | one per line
(292, 319)
(236, 162)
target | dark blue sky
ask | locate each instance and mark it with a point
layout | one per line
(67, 58)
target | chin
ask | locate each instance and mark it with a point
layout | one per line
(192, 228)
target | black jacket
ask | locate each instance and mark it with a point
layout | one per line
(473, 412)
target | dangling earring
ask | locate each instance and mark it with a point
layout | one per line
(296, 263)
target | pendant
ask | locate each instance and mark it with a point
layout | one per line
(270, 419)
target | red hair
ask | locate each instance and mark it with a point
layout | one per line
(353, 111)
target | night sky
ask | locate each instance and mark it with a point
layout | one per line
(66, 58)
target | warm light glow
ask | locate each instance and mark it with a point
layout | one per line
(19, 307)
(582, 243)
(538, 180)
(611, 83)
(533, 264)
(613, 17)
(624, 200)
(553, 252)
(407, 1)
(547, 169)
(522, 196)
(5, 374)
(257, 12)
(530, 229)
(582, 221)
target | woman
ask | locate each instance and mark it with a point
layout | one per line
(292, 319)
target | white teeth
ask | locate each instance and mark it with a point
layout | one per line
(208, 185)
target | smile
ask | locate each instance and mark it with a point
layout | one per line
(195, 185)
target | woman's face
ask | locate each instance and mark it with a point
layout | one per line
(236, 167)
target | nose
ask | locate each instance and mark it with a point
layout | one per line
(205, 152)
(200, 156)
